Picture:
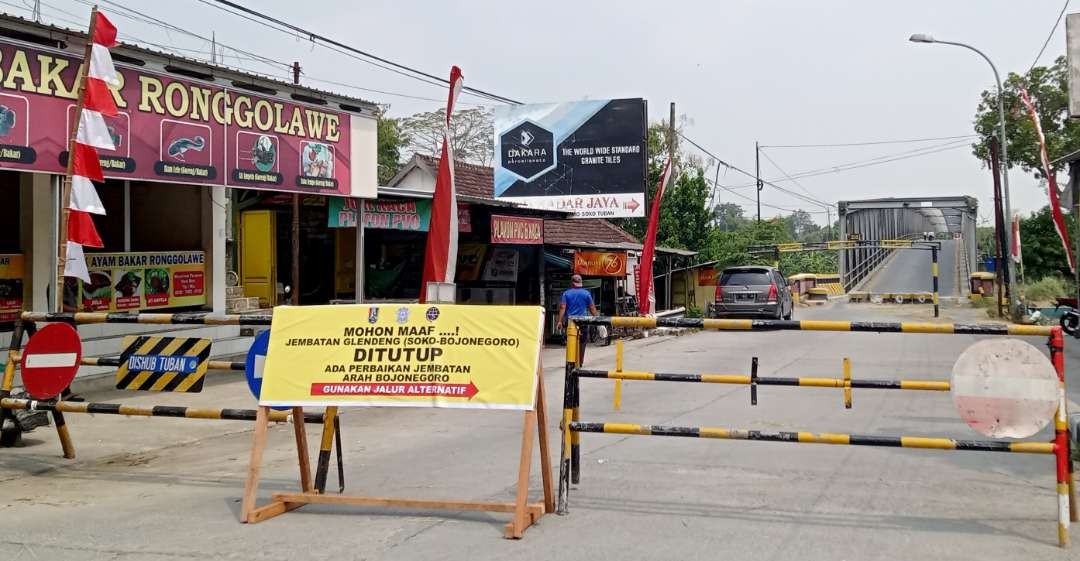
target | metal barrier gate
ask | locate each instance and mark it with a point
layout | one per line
(27, 326)
(572, 426)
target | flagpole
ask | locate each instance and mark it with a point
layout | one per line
(65, 196)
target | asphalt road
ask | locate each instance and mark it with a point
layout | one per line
(909, 271)
(157, 489)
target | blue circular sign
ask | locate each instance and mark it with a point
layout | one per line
(253, 366)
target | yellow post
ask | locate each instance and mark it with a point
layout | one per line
(847, 383)
(618, 368)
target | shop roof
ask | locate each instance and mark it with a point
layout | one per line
(471, 180)
(582, 232)
(54, 36)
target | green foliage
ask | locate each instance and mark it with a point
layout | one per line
(729, 217)
(390, 141)
(1040, 246)
(1048, 87)
(1046, 289)
(810, 262)
(984, 240)
(692, 311)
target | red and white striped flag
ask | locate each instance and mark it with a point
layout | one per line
(646, 296)
(92, 133)
(1016, 253)
(1055, 204)
(440, 255)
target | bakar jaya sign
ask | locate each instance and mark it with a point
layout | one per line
(184, 131)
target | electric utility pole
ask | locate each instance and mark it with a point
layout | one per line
(757, 175)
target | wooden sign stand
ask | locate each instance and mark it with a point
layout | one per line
(525, 513)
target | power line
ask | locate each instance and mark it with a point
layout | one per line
(777, 166)
(869, 142)
(879, 160)
(1049, 36)
(401, 67)
(748, 174)
(802, 197)
(135, 15)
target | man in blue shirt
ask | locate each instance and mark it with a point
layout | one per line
(576, 301)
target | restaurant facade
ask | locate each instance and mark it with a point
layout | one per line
(186, 134)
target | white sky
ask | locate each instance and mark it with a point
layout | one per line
(791, 72)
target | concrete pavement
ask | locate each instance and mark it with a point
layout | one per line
(170, 488)
(908, 270)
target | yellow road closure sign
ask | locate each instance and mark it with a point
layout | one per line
(406, 355)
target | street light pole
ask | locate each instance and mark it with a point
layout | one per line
(1014, 304)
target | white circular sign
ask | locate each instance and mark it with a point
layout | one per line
(1005, 388)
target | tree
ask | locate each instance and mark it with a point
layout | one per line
(729, 216)
(800, 225)
(1042, 251)
(1048, 88)
(471, 134)
(390, 140)
(684, 216)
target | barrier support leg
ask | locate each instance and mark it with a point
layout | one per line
(847, 383)
(618, 368)
(567, 415)
(340, 462)
(326, 445)
(1061, 441)
(9, 369)
(934, 269)
(575, 437)
(1057, 357)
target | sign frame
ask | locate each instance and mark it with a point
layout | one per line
(524, 513)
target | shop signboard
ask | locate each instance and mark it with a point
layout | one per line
(121, 282)
(707, 276)
(517, 230)
(413, 215)
(183, 130)
(502, 265)
(11, 286)
(585, 157)
(600, 263)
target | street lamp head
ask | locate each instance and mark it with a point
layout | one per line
(921, 38)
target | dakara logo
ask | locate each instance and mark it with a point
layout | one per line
(527, 150)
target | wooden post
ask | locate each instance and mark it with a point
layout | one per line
(65, 195)
(251, 487)
(302, 450)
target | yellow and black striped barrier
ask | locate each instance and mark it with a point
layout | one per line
(745, 379)
(820, 325)
(163, 364)
(572, 425)
(184, 318)
(1023, 447)
(152, 411)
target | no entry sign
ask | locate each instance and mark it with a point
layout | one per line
(50, 360)
(1005, 388)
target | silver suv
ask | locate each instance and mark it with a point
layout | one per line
(752, 291)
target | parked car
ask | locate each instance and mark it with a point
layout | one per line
(752, 291)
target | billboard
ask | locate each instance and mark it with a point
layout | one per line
(600, 263)
(586, 157)
(121, 282)
(183, 131)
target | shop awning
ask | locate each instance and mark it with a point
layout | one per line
(556, 261)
